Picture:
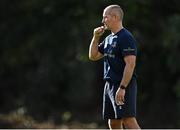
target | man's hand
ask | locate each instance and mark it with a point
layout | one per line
(120, 96)
(99, 31)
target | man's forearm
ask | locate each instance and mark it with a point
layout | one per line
(127, 75)
(93, 48)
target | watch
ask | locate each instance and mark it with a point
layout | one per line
(122, 87)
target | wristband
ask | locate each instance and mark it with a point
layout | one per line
(122, 87)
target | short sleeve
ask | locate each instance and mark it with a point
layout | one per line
(128, 46)
(101, 47)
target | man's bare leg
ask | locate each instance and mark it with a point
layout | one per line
(115, 124)
(130, 123)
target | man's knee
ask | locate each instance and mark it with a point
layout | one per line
(130, 122)
(115, 123)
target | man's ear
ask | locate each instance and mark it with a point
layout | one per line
(116, 17)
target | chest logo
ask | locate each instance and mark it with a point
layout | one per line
(114, 44)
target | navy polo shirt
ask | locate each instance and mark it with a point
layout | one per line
(115, 48)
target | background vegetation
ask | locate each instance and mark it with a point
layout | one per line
(47, 81)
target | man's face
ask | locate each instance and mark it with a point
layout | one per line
(107, 19)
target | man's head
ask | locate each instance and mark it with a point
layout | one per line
(112, 16)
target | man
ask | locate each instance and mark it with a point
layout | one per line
(119, 52)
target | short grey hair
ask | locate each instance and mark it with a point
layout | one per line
(117, 10)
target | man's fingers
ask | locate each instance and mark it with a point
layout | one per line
(119, 100)
(123, 98)
(99, 31)
(116, 99)
(120, 103)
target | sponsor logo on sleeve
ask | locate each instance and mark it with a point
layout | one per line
(129, 49)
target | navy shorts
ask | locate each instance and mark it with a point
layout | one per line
(113, 111)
